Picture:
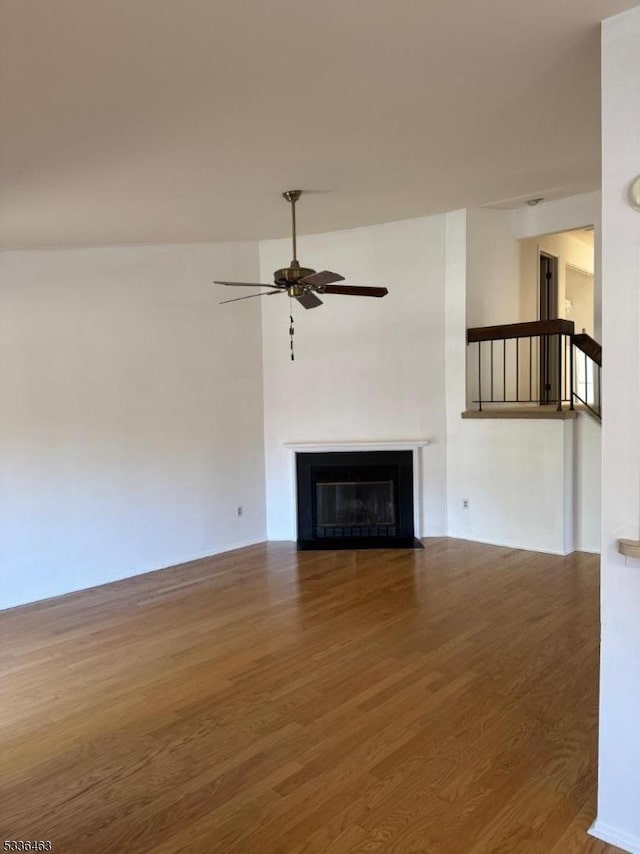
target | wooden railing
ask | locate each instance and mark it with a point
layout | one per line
(533, 328)
(535, 363)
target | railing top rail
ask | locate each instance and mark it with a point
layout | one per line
(530, 329)
(589, 346)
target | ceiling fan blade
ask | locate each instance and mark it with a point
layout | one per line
(246, 284)
(250, 296)
(309, 300)
(324, 277)
(355, 291)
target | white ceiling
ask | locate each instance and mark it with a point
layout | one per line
(147, 121)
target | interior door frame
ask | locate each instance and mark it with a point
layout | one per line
(548, 309)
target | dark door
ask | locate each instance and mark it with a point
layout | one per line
(549, 390)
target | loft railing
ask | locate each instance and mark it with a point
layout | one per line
(522, 363)
(542, 362)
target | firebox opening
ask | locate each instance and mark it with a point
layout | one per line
(355, 505)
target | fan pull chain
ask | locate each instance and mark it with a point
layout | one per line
(291, 330)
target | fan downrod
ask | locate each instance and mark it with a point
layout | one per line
(289, 276)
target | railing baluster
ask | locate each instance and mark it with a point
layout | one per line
(559, 407)
(545, 358)
(504, 370)
(571, 369)
(530, 369)
(517, 370)
(492, 372)
(586, 381)
(480, 374)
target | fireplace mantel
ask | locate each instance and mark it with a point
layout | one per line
(415, 445)
(385, 445)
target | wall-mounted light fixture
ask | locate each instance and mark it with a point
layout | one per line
(634, 194)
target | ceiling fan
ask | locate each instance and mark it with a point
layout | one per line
(302, 283)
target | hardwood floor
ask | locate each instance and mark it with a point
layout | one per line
(266, 701)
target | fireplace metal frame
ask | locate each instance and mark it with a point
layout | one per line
(396, 464)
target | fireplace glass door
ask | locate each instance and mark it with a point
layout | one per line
(350, 508)
(355, 504)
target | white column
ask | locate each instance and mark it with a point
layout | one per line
(619, 756)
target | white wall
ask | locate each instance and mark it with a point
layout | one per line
(493, 295)
(493, 269)
(365, 369)
(131, 413)
(587, 461)
(579, 299)
(514, 474)
(456, 356)
(619, 755)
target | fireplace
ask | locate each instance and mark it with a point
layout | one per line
(355, 499)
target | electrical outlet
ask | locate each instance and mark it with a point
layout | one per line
(239, 511)
(465, 504)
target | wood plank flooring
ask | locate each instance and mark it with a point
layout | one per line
(277, 702)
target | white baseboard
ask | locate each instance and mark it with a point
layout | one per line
(511, 545)
(627, 841)
(505, 544)
(242, 544)
(4, 606)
